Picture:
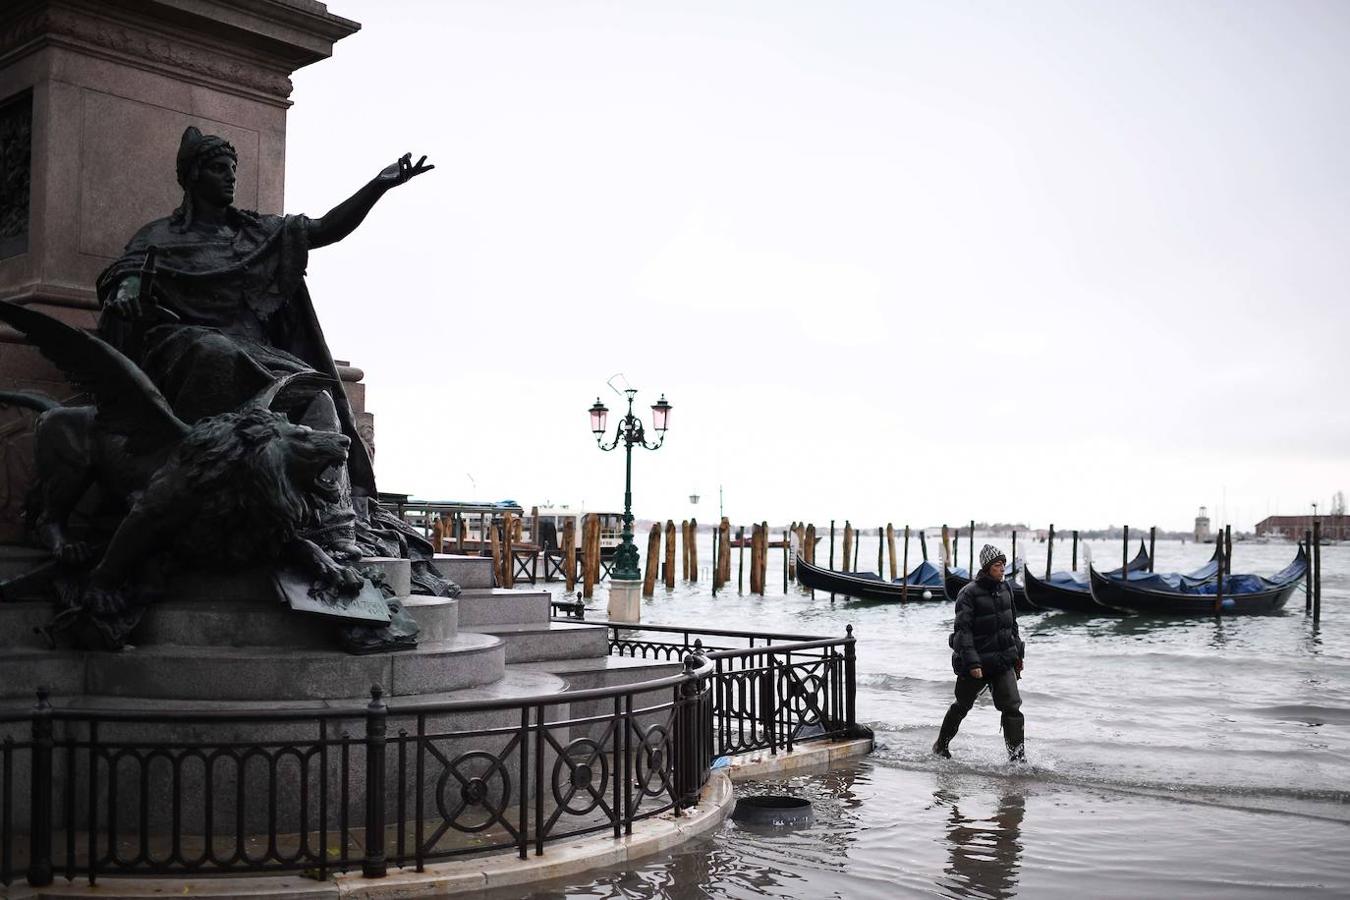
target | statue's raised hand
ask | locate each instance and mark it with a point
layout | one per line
(403, 169)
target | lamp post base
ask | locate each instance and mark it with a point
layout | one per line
(625, 600)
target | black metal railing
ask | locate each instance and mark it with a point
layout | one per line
(94, 792)
(771, 692)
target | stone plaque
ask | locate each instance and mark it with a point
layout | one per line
(367, 606)
(16, 173)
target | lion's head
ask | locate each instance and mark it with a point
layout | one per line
(257, 476)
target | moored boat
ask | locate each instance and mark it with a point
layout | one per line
(923, 583)
(1071, 591)
(1152, 593)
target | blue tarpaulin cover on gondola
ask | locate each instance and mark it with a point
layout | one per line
(925, 575)
(1205, 581)
(1071, 581)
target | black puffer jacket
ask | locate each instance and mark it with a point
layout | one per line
(986, 632)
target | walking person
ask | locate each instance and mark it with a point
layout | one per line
(987, 649)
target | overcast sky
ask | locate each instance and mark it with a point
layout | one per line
(913, 262)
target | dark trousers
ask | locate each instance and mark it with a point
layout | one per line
(1007, 700)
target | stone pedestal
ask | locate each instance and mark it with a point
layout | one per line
(625, 601)
(94, 96)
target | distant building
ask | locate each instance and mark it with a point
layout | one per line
(1334, 528)
(1202, 532)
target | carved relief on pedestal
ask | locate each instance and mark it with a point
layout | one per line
(16, 168)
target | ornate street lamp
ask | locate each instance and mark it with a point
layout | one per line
(630, 434)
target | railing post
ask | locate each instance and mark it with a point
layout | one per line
(689, 739)
(377, 726)
(768, 702)
(850, 680)
(40, 810)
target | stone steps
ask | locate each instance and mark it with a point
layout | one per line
(17, 621)
(437, 617)
(265, 622)
(582, 674)
(24, 669)
(532, 642)
(469, 572)
(176, 672)
(482, 607)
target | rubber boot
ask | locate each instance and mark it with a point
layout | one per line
(950, 724)
(1014, 736)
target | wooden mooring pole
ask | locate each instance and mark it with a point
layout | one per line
(693, 550)
(890, 545)
(1125, 555)
(716, 560)
(1308, 576)
(588, 526)
(1228, 548)
(904, 588)
(763, 557)
(756, 552)
(1218, 587)
(971, 570)
(1317, 570)
(496, 551)
(508, 551)
(740, 568)
(1049, 551)
(670, 555)
(1152, 538)
(881, 549)
(923, 545)
(724, 551)
(1075, 550)
(809, 549)
(848, 546)
(653, 564)
(684, 549)
(569, 537)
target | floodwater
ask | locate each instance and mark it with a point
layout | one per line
(1169, 758)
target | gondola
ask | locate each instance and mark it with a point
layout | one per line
(926, 578)
(1175, 594)
(955, 579)
(1070, 591)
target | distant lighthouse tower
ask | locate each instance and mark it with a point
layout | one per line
(1202, 532)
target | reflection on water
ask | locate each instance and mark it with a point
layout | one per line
(884, 831)
(983, 853)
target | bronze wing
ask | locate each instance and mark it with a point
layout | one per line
(128, 401)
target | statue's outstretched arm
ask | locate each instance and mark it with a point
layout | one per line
(342, 219)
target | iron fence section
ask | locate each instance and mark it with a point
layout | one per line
(178, 792)
(770, 693)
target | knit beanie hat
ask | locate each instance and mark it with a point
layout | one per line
(989, 555)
